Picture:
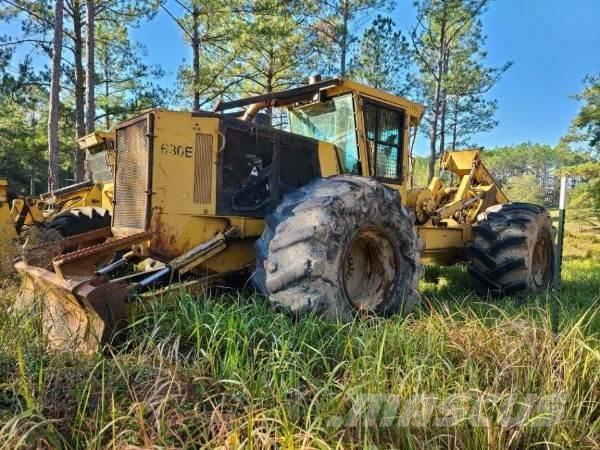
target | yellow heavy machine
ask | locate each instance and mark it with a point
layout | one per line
(68, 211)
(322, 216)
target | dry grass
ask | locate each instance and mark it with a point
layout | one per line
(229, 372)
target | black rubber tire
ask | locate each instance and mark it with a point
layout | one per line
(301, 254)
(80, 220)
(509, 239)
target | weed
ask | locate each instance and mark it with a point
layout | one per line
(229, 372)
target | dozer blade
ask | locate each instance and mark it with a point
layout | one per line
(76, 315)
(82, 309)
(79, 310)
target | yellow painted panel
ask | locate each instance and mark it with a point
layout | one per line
(237, 255)
(415, 110)
(438, 238)
(248, 227)
(328, 159)
(108, 196)
(184, 177)
(174, 234)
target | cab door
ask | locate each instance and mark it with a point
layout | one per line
(385, 138)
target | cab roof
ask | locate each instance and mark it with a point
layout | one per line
(324, 89)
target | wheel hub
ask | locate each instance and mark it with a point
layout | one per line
(370, 267)
(541, 262)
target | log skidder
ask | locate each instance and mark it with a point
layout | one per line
(325, 214)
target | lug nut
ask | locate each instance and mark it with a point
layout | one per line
(271, 266)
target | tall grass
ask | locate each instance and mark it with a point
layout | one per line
(229, 372)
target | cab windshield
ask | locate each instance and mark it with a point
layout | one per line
(97, 164)
(331, 121)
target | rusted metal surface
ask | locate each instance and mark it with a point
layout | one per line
(166, 242)
(84, 261)
(85, 238)
(109, 245)
(75, 315)
(370, 268)
(84, 315)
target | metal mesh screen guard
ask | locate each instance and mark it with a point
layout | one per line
(131, 179)
(203, 168)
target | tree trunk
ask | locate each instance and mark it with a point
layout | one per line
(54, 101)
(106, 93)
(90, 43)
(434, 124)
(196, 54)
(344, 38)
(432, 148)
(444, 100)
(443, 124)
(268, 91)
(32, 124)
(438, 92)
(455, 125)
(79, 166)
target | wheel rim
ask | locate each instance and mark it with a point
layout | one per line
(370, 267)
(541, 262)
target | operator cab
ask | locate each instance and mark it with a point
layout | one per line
(99, 147)
(370, 129)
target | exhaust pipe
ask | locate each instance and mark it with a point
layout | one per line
(253, 110)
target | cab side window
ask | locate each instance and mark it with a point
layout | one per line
(385, 135)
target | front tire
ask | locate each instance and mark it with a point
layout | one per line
(513, 250)
(339, 246)
(80, 220)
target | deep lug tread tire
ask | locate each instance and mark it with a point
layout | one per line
(502, 253)
(80, 220)
(300, 255)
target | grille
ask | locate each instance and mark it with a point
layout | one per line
(203, 168)
(131, 178)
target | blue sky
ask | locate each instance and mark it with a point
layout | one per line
(553, 45)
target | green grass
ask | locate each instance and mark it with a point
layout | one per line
(230, 372)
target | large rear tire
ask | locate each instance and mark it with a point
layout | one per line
(337, 247)
(80, 220)
(513, 250)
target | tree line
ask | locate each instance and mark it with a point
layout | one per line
(69, 66)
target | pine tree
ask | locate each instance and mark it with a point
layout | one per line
(206, 28)
(245, 48)
(54, 101)
(447, 44)
(587, 121)
(90, 42)
(332, 23)
(124, 82)
(382, 59)
(36, 18)
(466, 116)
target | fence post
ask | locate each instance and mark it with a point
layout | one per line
(562, 206)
